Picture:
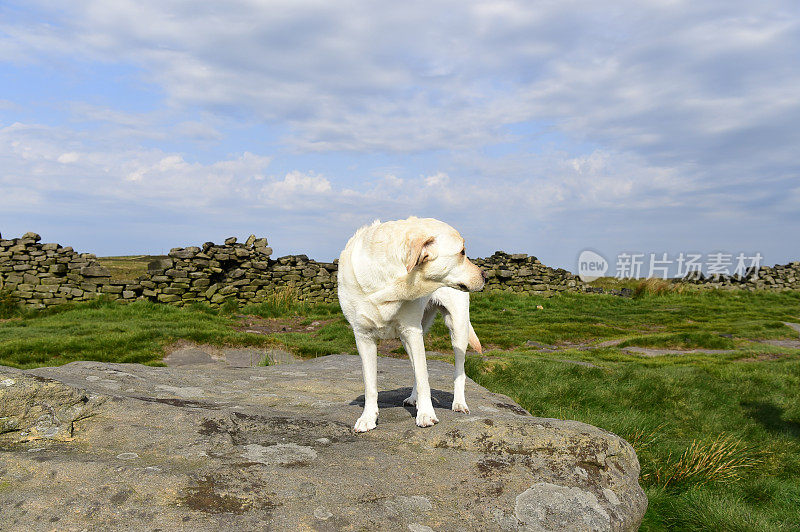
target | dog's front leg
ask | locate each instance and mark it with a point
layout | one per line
(368, 350)
(459, 333)
(459, 379)
(412, 339)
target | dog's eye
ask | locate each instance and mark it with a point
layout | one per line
(463, 252)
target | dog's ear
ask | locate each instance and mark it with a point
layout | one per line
(419, 250)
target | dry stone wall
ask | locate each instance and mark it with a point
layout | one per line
(519, 272)
(778, 277)
(240, 271)
(43, 275)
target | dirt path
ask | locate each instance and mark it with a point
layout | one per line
(792, 344)
(651, 352)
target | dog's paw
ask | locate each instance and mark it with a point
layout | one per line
(459, 406)
(366, 422)
(426, 418)
(411, 400)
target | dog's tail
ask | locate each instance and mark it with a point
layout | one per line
(473, 340)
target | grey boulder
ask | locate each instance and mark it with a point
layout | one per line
(103, 446)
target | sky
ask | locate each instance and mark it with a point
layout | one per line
(547, 128)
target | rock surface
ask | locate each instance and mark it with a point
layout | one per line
(97, 446)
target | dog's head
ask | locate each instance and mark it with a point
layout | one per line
(436, 253)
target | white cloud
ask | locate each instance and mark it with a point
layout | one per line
(46, 161)
(439, 179)
(67, 158)
(393, 181)
(55, 160)
(297, 190)
(671, 82)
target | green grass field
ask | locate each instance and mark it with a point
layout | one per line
(127, 267)
(112, 332)
(717, 434)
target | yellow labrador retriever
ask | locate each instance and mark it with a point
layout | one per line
(387, 275)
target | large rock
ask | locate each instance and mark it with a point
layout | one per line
(128, 447)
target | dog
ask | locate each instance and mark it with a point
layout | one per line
(387, 275)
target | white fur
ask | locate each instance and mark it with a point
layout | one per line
(387, 274)
(454, 307)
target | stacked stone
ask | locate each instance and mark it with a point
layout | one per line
(244, 273)
(314, 281)
(519, 272)
(778, 277)
(42, 275)
(212, 274)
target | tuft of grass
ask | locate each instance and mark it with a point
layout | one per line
(722, 459)
(229, 306)
(286, 302)
(9, 304)
(280, 303)
(641, 439)
(656, 287)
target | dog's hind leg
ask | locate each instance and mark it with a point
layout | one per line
(368, 349)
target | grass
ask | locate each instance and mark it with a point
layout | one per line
(127, 267)
(717, 435)
(286, 302)
(657, 287)
(112, 332)
(8, 303)
(506, 320)
(684, 340)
